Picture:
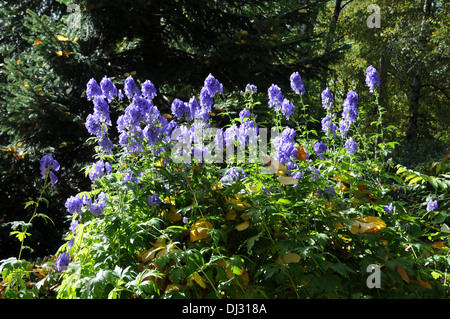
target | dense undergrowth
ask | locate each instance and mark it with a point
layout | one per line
(181, 208)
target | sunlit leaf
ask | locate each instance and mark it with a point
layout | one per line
(199, 230)
(277, 168)
(242, 226)
(368, 224)
(199, 280)
(239, 201)
(287, 180)
(172, 287)
(62, 38)
(445, 229)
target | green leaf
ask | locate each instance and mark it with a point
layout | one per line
(45, 217)
(251, 242)
(20, 235)
(342, 269)
(31, 202)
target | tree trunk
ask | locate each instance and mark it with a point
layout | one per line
(329, 39)
(411, 133)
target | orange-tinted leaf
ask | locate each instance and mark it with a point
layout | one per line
(422, 283)
(37, 42)
(403, 273)
(379, 224)
(362, 187)
(369, 224)
(301, 154)
(439, 245)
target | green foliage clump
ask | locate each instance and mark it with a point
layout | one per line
(155, 227)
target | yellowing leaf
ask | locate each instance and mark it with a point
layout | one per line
(439, 245)
(403, 273)
(359, 227)
(199, 280)
(286, 180)
(62, 38)
(239, 201)
(165, 251)
(59, 53)
(199, 230)
(414, 180)
(369, 224)
(174, 215)
(288, 259)
(172, 287)
(231, 214)
(147, 256)
(132, 73)
(243, 226)
(278, 168)
(422, 283)
(379, 224)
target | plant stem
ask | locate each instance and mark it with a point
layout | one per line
(36, 204)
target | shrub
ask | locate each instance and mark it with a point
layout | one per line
(179, 208)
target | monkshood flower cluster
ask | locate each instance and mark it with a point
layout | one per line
(372, 78)
(77, 204)
(349, 115)
(48, 165)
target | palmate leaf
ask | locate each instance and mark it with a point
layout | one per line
(20, 235)
(342, 269)
(15, 224)
(45, 217)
